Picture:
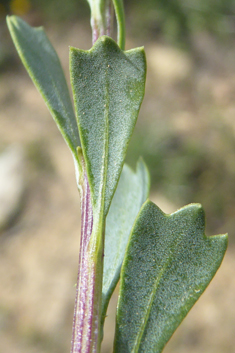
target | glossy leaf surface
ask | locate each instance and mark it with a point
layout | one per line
(108, 87)
(44, 68)
(131, 193)
(168, 265)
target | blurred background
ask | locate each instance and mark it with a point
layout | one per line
(185, 132)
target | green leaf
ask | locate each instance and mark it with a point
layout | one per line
(108, 86)
(168, 264)
(132, 191)
(120, 16)
(44, 68)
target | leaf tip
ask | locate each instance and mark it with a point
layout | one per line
(14, 21)
(222, 238)
(11, 20)
(71, 49)
(195, 209)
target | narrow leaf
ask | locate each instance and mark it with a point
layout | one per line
(44, 68)
(132, 191)
(169, 263)
(108, 87)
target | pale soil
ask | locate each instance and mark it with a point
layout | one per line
(39, 252)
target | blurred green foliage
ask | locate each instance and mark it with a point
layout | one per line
(51, 10)
(178, 19)
(61, 10)
(184, 170)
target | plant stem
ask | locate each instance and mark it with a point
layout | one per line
(109, 18)
(86, 336)
(86, 321)
(101, 18)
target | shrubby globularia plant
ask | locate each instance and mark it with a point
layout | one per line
(164, 262)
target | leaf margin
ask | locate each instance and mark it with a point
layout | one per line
(222, 237)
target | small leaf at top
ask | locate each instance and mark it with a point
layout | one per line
(132, 191)
(108, 87)
(168, 264)
(44, 68)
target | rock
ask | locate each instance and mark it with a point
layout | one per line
(12, 183)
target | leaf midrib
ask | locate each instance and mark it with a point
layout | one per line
(152, 296)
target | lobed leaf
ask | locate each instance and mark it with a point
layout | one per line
(168, 264)
(44, 68)
(132, 191)
(108, 87)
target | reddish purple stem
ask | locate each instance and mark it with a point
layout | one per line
(85, 317)
(85, 336)
(102, 28)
